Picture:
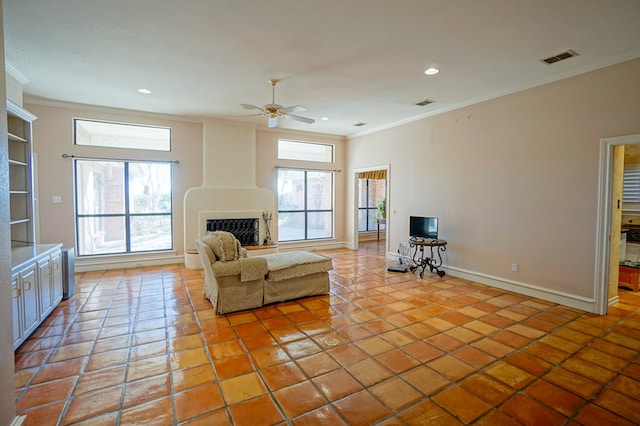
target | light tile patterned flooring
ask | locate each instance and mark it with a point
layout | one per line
(142, 347)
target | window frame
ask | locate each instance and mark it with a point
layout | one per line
(127, 213)
(368, 209)
(293, 141)
(77, 121)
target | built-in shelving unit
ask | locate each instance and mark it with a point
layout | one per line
(21, 198)
(36, 269)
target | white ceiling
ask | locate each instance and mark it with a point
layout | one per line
(350, 60)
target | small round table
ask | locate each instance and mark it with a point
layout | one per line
(423, 258)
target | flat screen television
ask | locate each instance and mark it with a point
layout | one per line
(423, 227)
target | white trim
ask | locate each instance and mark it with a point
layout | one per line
(311, 245)
(18, 420)
(131, 261)
(13, 71)
(560, 297)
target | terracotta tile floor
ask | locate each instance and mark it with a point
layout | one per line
(142, 347)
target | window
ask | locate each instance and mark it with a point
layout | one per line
(631, 184)
(305, 205)
(371, 194)
(122, 207)
(121, 135)
(305, 151)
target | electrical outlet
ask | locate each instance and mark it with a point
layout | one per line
(514, 267)
(56, 199)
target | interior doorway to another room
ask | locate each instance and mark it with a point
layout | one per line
(612, 212)
(371, 205)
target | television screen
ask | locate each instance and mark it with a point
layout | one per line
(423, 227)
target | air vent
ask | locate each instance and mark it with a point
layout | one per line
(360, 124)
(560, 57)
(425, 102)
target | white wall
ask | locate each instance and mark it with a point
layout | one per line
(513, 180)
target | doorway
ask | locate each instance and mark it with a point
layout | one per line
(608, 223)
(370, 204)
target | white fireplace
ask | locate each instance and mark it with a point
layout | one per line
(229, 182)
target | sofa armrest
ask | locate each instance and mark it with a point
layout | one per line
(253, 268)
(248, 269)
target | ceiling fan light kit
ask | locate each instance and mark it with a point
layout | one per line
(274, 111)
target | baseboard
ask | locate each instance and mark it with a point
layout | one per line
(18, 420)
(614, 300)
(562, 298)
(312, 245)
(131, 261)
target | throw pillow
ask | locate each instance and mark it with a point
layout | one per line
(230, 245)
(214, 242)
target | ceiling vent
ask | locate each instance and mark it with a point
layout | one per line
(425, 102)
(360, 124)
(560, 57)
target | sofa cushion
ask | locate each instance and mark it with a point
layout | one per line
(294, 264)
(224, 245)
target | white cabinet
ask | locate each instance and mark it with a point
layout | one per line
(45, 285)
(56, 276)
(16, 293)
(28, 285)
(36, 282)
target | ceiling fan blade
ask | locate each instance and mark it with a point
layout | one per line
(247, 106)
(273, 122)
(299, 118)
(294, 108)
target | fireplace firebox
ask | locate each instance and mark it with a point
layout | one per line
(246, 230)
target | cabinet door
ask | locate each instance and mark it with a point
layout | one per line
(45, 287)
(29, 289)
(56, 269)
(16, 302)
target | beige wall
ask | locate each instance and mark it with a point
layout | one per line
(53, 136)
(513, 179)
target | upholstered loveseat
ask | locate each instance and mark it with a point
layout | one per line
(235, 282)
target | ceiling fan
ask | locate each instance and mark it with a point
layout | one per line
(275, 111)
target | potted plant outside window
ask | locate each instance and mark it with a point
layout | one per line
(382, 209)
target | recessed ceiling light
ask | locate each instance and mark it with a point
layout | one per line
(144, 91)
(431, 71)
(324, 118)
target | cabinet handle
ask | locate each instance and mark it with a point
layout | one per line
(56, 266)
(16, 294)
(27, 284)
